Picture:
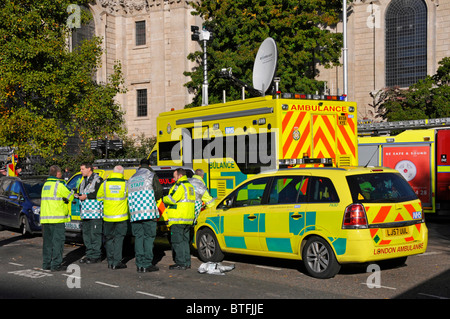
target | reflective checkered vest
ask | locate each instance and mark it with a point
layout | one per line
(90, 208)
(201, 194)
(141, 196)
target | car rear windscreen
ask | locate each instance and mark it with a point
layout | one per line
(166, 178)
(380, 188)
(33, 188)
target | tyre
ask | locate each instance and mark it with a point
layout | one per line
(208, 247)
(319, 259)
(24, 228)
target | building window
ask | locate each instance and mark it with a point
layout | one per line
(140, 33)
(141, 102)
(406, 42)
(85, 32)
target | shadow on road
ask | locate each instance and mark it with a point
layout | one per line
(437, 287)
(18, 237)
(74, 255)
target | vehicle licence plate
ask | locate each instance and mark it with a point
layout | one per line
(398, 231)
(73, 226)
(342, 120)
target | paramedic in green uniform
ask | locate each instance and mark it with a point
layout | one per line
(91, 214)
(144, 190)
(54, 213)
(181, 214)
(113, 194)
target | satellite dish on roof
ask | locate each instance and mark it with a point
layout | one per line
(265, 65)
(264, 69)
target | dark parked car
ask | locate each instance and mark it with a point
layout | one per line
(20, 200)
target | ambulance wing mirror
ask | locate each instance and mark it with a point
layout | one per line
(225, 204)
(228, 202)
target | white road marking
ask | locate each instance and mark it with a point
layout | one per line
(438, 297)
(430, 253)
(72, 276)
(16, 264)
(365, 284)
(270, 268)
(105, 284)
(30, 273)
(149, 294)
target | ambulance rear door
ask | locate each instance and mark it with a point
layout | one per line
(413, 161)
(324, 135)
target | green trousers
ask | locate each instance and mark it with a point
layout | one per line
(114, 234)
(54, 237)
(92, 237)
(180, 244)
(144, 233)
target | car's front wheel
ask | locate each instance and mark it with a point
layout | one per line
(208, 247)
(319, 258)
(24, 227)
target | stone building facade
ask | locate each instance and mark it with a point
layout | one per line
(390, 43)
(151, 39)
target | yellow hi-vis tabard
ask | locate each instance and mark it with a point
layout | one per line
(113, 193)
(181, 201)
(53, 208)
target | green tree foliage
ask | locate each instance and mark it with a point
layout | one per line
(428, 98)
(138, 147)
(134, 147)
(47, 93)
(303, 30)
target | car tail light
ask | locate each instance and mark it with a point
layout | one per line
(354, 217)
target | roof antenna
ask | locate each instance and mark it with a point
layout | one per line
(376, 151)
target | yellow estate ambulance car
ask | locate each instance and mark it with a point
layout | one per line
(323, 216)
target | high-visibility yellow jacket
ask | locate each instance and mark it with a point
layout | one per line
(114, 195)
(53, 208)
(181, 202)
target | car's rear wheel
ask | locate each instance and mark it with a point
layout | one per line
(208, 247)
(319, 258)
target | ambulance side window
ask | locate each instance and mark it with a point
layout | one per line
(288, 190)
(322, 190)
(74, 182)
(250, 194)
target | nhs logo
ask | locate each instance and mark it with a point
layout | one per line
(229, 130)
(417, 215)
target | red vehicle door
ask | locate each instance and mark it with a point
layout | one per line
(443, 168)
